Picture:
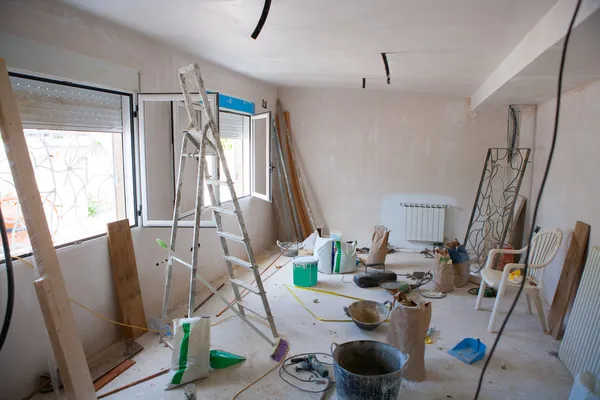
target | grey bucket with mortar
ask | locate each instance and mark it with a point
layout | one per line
(367, 370)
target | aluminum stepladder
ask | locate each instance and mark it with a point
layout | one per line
(201, 139)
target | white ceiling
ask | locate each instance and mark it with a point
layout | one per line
(445, 46)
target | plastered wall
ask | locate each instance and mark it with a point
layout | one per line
(365, 152)
(572, 193)
(86, 266)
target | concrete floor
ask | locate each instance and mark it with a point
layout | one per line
(523, 367)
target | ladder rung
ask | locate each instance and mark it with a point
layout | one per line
(215, 182)
(186, 214)
(238, 261)
(223, 210)
(231, 236)
(179, 260)
(245, 285)
(243, 304)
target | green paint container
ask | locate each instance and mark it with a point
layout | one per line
(306, 271)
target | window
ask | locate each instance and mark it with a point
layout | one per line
(163, 118)
(234, 129)
(79, 141)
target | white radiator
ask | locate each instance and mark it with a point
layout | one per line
(424, 222)
(580, 348)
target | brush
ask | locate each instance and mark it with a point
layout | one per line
(280, 350)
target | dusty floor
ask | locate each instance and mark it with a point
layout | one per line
(523, 367)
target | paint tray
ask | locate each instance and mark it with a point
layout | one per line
(468, 350)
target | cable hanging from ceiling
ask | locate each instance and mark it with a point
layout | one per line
(262, 20)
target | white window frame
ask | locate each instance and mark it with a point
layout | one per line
(129, 144)
(268, 195)
(164, 97)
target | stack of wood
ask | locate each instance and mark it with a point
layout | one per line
(290, 196)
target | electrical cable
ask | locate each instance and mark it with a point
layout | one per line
(10, 281)
(284, 370)
(537, 203)
(262, 20)
(387, 67)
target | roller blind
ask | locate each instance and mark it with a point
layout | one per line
(45, 105)
(231, 126)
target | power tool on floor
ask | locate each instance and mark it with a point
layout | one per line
(310, 363)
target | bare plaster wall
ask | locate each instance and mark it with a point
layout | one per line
(364, 152)
(86, 266)
(571, 193)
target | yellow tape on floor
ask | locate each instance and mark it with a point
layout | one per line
(328, 292)
(312, 313)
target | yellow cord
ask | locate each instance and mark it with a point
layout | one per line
(310, 312)
(133, 326)
(328, 292)
(92, 311)
(266, 373)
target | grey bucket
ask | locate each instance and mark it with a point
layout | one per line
(367, 370)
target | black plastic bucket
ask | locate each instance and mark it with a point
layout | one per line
(366, 369)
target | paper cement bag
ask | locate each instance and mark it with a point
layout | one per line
(378, 249)
(442, 274)
(191, 351)
(407, 332)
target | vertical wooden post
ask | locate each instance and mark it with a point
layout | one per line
(52, 293)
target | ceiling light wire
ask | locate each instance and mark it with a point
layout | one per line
(537, 203)
(262, 20)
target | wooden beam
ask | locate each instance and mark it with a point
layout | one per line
(569, 279)
(52, 293)
(125, 275)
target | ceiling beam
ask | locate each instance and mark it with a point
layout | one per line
(551, 29)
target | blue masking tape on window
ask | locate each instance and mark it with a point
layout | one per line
(235, 104)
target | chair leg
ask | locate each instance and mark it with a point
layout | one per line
(499, 295)
(480, 294)
(537, 300)
(528, 303)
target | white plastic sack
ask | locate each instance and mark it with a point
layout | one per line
(344, 260)
(191, 351)
(324, 252)
(309, 242)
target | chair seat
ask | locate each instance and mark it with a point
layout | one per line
(493, 277)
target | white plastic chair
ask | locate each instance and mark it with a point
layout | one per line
(544, 247)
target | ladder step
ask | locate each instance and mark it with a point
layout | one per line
(215, 182)
(238, 261)
(243, 304)
(179, 260)
(231, 236)
(223, 210)
(186, 214)
(245, 285)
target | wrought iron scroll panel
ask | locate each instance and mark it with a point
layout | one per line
(494, 204)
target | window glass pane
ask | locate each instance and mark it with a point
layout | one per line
(261, 156)
(79, 152)
(80, 179)
(235, 137)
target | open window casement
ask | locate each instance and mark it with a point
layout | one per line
(162, 119)
(261, 156)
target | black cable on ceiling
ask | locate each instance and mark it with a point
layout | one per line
(364, 83)
(537, 203)
(387, 67)
(10, 280)
(262, 20)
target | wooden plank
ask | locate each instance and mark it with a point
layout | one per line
(51, 290)
(125, 276)
(132, 384)
(569, 279)
(112, 356)
(112, 374)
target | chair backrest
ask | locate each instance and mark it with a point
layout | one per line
(544, 247)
